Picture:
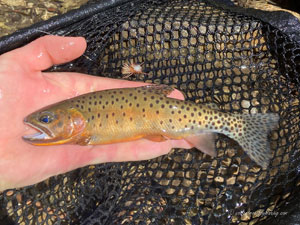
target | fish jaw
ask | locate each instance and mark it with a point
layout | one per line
(62, 130)
(43, 136)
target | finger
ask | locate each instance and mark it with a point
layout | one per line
(69, 85)
(69, 157)
(135, 150)
(51, 161)
(47, 51)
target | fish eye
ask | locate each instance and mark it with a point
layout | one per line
(45, 119)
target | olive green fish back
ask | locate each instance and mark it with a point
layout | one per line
(213, 54)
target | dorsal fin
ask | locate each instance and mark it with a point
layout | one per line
(211, 105)
(158, 89)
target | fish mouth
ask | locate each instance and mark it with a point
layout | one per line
(43, 134)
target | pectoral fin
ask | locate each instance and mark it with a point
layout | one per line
(205, 142)
(156, 138)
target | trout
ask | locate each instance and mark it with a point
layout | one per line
(126, 114)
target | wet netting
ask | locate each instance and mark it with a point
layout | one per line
(211, 54)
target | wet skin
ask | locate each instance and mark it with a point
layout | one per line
(24, 89)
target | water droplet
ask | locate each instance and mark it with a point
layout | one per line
(40, 55)
(46, 90)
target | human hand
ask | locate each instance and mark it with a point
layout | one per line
(24, 88)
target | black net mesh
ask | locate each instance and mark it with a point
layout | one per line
(211, 54)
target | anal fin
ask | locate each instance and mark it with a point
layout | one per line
(205, 142)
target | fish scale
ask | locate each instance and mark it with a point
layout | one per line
(127, 114)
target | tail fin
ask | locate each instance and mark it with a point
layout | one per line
(254, 138)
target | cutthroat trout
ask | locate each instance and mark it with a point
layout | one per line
(127, 114)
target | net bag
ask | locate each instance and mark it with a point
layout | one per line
(212, 53)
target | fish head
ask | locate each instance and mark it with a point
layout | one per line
(55, 125)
